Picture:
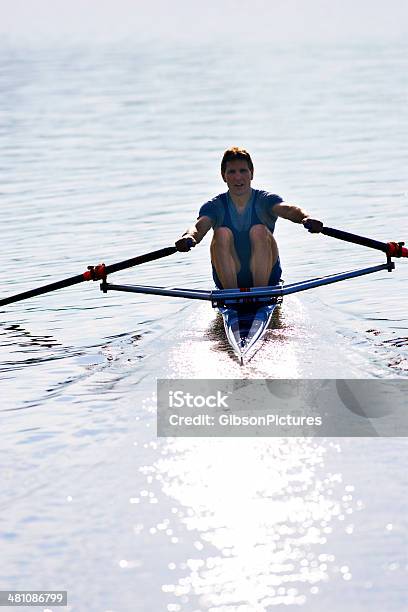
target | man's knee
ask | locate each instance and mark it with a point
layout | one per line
(260, 234)
(223, 237)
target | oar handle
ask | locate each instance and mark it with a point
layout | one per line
(392, 249)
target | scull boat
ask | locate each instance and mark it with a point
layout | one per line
(246, 312)
(246, 325)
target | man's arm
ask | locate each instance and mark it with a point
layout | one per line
(194, 234)
(297, 215)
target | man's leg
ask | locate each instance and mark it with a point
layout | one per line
(264, 253)
(224, 257)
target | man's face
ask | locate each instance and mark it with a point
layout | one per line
(238, 177)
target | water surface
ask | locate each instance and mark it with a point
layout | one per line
(109, 153)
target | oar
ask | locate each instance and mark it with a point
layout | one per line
(93, 273)
(392, 249)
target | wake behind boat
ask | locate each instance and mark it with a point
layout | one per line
(246, 312)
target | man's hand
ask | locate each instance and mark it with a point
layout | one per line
(313, 225)
(185, 243)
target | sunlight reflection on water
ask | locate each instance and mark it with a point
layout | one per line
(266, 511)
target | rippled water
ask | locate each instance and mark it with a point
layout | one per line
(108, 153)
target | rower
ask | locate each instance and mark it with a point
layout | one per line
(244, 252)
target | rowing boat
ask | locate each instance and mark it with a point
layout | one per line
(246, 318)
(246, 312)
(246, 325)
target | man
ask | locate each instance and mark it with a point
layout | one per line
(244, 252)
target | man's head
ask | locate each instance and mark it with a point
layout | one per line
(237, 171)
(235, 154)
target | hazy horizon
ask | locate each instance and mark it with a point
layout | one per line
(237, 21)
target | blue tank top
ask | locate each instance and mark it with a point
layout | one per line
(240, 224)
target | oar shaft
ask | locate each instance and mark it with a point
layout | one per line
(392, 249)
(348, 237)
(135, 261)
(68, 282)
(98, 273)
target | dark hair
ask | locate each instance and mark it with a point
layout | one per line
(236, 153)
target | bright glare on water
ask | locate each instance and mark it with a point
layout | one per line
(108, 152)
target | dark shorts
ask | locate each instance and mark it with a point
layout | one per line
(245, 277)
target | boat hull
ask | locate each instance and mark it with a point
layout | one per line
(245, 326)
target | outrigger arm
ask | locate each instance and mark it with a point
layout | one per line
(227, 296)
(220, 297)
